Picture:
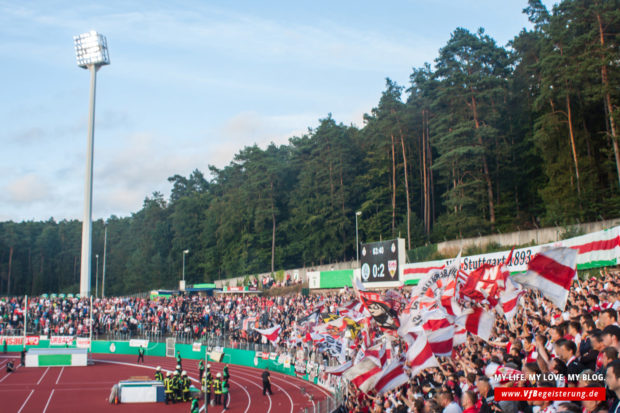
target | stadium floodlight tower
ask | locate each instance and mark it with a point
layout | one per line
(91, 52)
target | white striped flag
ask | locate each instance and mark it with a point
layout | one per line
(419, 353)
(440, 335)
(460, 336)
(509, 299)
(339, 369)
(461, 278)
(272, 334)
(551, 272)
(392, 376)
(365, 373)
(479, 322)
(354, 310)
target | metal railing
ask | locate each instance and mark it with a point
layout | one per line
(331, 404)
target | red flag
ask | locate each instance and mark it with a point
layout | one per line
(486, 282)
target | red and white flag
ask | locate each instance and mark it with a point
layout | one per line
(551, 272)
(460, 336)
(392, 376)
(365, 373)
(434, 285)
(339, 369)
(461, 278)
(419, 353)
(440, 336)
(272, 334)
(509, 299)
(502, 374)
(354, 310)
(479, 322)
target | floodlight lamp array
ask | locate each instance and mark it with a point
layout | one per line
(91, 49)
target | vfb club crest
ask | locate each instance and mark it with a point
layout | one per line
(392, 266)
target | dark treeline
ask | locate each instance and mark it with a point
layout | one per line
(487, 139)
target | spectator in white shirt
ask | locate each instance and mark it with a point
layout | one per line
(447, 402)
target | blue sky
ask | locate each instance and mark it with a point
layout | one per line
(192, 82)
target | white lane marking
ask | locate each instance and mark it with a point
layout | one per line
(248, 394)
(27, 398)
(2, 390)
(311, 400)
(43, 375)
(283, 391)
(60, 374)
(286, 377)
(279, 376)
(48, 400)
(195, 370)
(241, 371)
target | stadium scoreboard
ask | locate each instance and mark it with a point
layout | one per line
(381, 262)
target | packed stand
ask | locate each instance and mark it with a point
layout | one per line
(540, 340)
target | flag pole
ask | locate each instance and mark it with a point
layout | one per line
(25, 320)
(90, 340)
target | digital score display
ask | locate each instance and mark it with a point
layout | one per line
(380, 261)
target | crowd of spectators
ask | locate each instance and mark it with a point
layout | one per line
(194, 316)
(584, 339)
(542, 348)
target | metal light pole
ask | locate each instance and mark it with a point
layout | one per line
(25, 320)
(105, 244)
(91, 52)
(97, 275)
(184, 253)
(357, 244)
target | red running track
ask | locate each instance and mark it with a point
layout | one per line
(73, 389)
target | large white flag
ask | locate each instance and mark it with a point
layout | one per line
(365, 373)
(272, 334)
(551, 272)
(392, 376)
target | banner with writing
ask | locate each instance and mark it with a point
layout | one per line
(61, 340)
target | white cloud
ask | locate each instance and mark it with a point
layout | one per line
(250, 128)
(27, 189)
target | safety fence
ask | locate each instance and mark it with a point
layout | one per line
(254, 355)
